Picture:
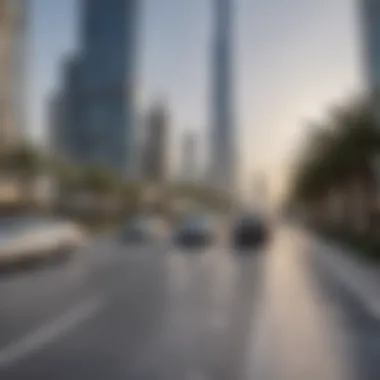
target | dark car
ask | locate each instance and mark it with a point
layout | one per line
(250, 231)
(195, 231)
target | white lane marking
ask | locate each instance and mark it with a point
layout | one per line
(354, 280)
(48, 333)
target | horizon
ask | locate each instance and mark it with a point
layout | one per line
(283, 78)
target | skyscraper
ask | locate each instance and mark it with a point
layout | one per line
(101, 85)
(222, 169)
(155, 160)
(55, 114)
(370, 25)
(189, 158)
(13, 60)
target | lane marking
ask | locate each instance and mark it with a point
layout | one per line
(38, 339)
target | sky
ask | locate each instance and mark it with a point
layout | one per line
(293, 61)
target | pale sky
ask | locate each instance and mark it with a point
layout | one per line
(293, 60)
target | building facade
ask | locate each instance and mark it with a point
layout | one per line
(100, 86)
(13, 65)
(189, 169)
(58, 142)
(222, 170)
(370, 28)
(155, 168)
(370, 25)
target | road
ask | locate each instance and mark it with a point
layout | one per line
(157, 312)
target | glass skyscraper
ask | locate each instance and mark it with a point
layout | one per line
(100, 87)
(370, 14)
(222, 119)
(155, 152)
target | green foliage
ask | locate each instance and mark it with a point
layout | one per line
(341, 150)
(69, 176)
(131, 197)
(99, 180)
(23, 161)
(203, 196)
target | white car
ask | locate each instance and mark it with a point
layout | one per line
(27, 239)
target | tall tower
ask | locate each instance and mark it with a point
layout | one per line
(370, 26)
(189, 158)
(102, 90)
(13, 59)
(222, 118)
(155, 164)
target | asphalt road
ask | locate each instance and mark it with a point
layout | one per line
(157, 312)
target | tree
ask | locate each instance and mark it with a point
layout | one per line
(202, 196)
(339, 162)
(99, 180)
(131, 197)
(24, 161)
(22, 166)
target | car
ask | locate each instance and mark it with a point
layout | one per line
(143, 229)
(249, 231)
(195, 230)
(30, 239)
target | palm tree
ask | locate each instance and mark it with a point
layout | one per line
(131, 198)
(315, 172)
(99, 181)
(69, 176)
(24, 163)
(358, 144)
(338, 164)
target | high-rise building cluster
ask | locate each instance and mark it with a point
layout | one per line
(13, 59)
(93, 115)
(94, 122)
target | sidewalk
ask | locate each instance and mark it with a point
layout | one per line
(359, 276)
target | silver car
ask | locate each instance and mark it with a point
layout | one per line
(28, 239)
